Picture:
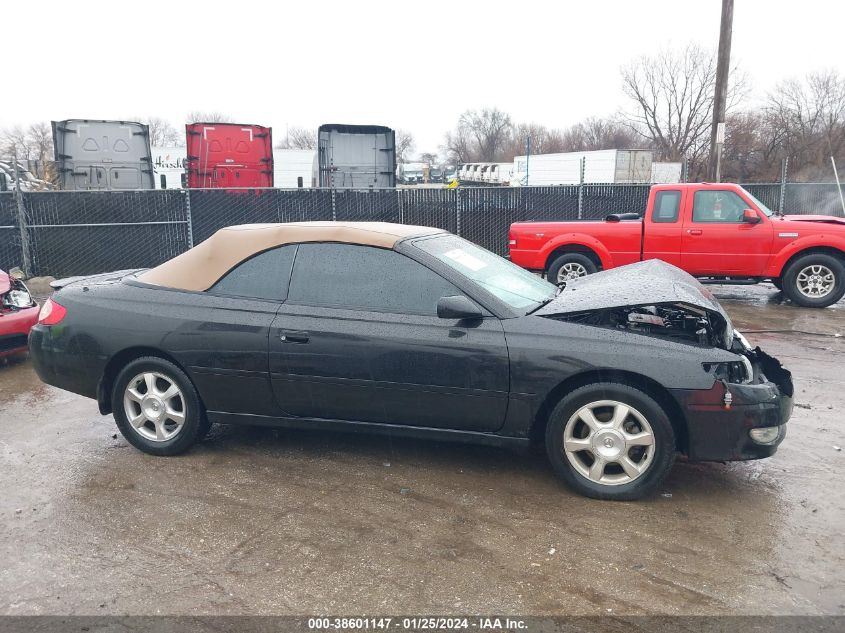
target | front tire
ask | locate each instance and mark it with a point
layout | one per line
(610, 441)
(816, 280)
(570, 266)
(157, 408)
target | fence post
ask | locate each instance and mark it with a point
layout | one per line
(188, 217)
(458, 193)
(401, 206)
(581, 187)
(784, 168)
(334, 207)
(27, 265)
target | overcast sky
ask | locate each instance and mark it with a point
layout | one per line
(411, 65)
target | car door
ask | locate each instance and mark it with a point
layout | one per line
(223, 332)
(358, 339)
(716, 240)
(663, 228)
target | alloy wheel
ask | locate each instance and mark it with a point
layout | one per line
(154, 406)
(570, 271)
(815, 281)
(609, 442)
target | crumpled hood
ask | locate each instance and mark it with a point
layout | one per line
(828, 219)
(644, 283)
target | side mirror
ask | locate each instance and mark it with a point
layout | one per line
(457, 307)
(750, 216)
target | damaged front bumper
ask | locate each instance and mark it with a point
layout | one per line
(739, 421)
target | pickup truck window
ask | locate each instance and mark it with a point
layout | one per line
(718, 206)
(666, 205)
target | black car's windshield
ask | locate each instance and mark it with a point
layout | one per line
(515, 286)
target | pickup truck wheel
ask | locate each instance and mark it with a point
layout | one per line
(570, 266)
(816, 280)
(156, 407)
(610, 441)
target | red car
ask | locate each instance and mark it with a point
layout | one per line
(18, 313)
(717, 232)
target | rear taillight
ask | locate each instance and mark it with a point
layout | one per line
(51, 313)
(511, 239)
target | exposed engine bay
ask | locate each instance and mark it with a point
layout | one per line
(676, 321)
(698, 326)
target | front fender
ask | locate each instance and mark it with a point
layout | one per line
(790, 249)
(577, 239)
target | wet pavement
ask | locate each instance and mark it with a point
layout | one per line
(289, 522)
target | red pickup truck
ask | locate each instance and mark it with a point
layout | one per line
(717, 232)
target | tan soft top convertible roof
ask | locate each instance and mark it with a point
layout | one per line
(201, 267)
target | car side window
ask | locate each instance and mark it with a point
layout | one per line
(666, 205)
(365, 278)
(718, 206)
(262, 276)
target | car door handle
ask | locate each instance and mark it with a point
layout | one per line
(294, 337)
(694, 231)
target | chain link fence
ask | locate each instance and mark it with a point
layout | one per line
(64, 233)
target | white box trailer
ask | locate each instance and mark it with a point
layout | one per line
(499, 173)
(292, 168)
(667, 173)
(169, 167)
(602, 166)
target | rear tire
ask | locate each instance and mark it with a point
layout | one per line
(156, 407)
(816, 280)
(570, 266)
(610, 441)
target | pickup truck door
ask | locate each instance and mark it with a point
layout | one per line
(715, 239)
(662, 227)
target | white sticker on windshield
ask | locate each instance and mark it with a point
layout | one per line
(465, 259)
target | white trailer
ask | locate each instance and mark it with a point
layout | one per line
(602, 166)
(667, 173)
(499, 173)
(169, 167)
(292, 168)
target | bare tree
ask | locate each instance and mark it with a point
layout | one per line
(163, 133)
(808, 121)
(457, 146)
(212, 116)
(405, 145)
(543, 140)
(430, 157)
(33, 144)
(298, 138)
(672, 96)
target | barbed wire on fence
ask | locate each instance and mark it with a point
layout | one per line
(65, 233)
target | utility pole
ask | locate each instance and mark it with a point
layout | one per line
(527, 156)
(720, 98)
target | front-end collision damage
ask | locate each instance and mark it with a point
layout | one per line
(742, 415)
(18, 313)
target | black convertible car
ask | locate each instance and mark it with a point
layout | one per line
(414, 331)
